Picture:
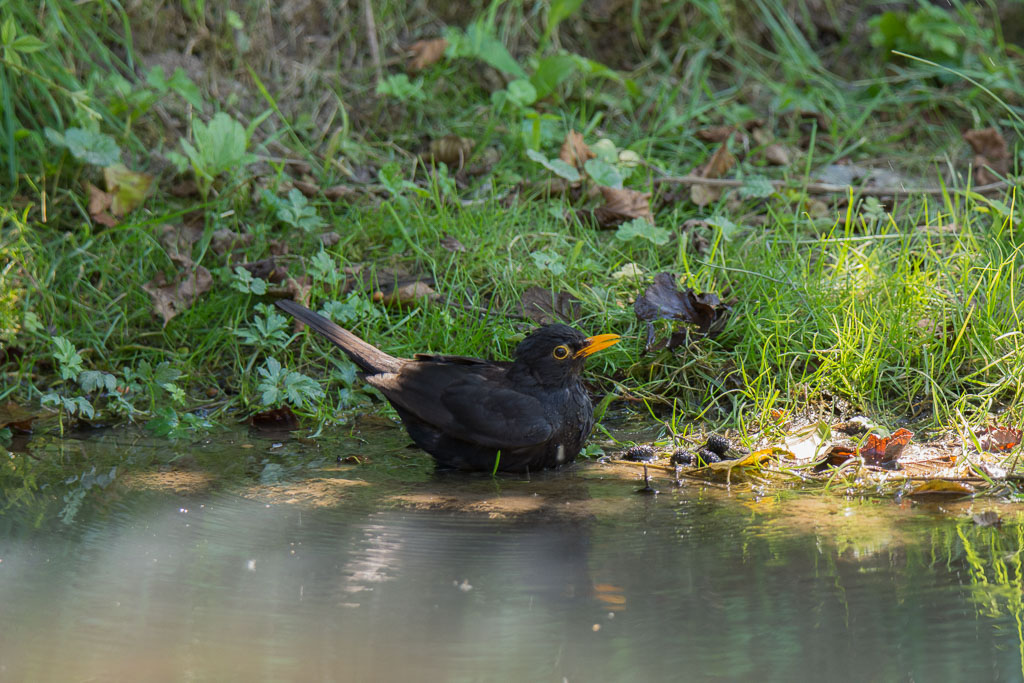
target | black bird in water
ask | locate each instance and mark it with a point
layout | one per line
(474, 414)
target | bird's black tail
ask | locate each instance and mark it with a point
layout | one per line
(368, 357)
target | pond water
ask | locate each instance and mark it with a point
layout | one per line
(261, 569)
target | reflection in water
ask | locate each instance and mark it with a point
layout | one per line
(565, 577)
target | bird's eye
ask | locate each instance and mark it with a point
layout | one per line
(561, 352)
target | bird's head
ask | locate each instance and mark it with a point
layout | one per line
(554, 354)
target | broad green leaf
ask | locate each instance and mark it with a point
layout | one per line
(556, 166)
(89, 147)
(26, 44)
(603, 173)
(551, 71)
(479, 43)
(727, 227)
(522, 93)
(560, 11)
(638, 228)
(756, 186)
(128, 187)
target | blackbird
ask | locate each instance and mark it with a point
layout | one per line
(473, 414)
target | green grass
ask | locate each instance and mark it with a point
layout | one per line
(854, 305)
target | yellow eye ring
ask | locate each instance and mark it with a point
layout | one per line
(561, 352)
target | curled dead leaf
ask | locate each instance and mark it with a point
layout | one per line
(329, 239)
(451, 150)
(99, 203)
(451, 243)
(408, 293)
(663, 300)
(777, 155)
(715, 133)
(171, 298)
(621, 205)
(424, 53)
(177, 240)
(718, 165)
(574, 151)
(16, 418)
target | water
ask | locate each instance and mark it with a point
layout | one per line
(387, 572)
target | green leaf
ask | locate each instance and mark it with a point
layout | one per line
(26, 44)
(551, 71)
(89, 147)
(545, 260)
(185, 87)
(560, 11)
(477, 42)
(522, 93)
(603, 173)
(220, 145)
(756, 186)
(400, 87)
(556, 166)
(639, 228)
(727, 227)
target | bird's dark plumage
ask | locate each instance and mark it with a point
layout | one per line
(469, 413)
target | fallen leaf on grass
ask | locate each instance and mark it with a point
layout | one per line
(177, 240)
(127, 188)
(267, 269)
(99, 203)
(408, 293)
(715, 133)
(451, 244)
(991, 154)
(451, 150)
(998, 438)
(171, 298)
(718, 165)
(334, 192)
(225, 240)
(424, 53)
(806, 444)
(776, 154)
(17, 418)
(663, 300)
(574, 151)
(621, 205)
(329, 239)
(544, 307)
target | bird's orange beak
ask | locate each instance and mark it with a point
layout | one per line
(597, 343)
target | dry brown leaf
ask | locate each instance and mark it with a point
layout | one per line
(424, 53)
(99, 203)
(451, 150)
(309, 189)
(574, 151)
(16, 418)
(452, 244)
(715, 133)
(225, 240)
(777, 155)
(336, 192)
(177, 240)
(991, 154)
(409, 293)
(171, 298)
(267, 269)
(718, 165)
(329, 239)
(623, 204)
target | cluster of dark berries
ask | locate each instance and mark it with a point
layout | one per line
(642, 453)
(715, 449)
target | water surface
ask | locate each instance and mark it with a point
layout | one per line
(387, 571)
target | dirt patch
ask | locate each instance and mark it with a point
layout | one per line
(315, 493)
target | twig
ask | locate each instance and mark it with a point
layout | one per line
(828, 188)
(371, 33)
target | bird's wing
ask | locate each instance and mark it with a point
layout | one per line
(470, 405)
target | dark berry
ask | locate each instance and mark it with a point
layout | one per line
(643, 453)
(718, 444)
(682, 457)
(708, 456)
